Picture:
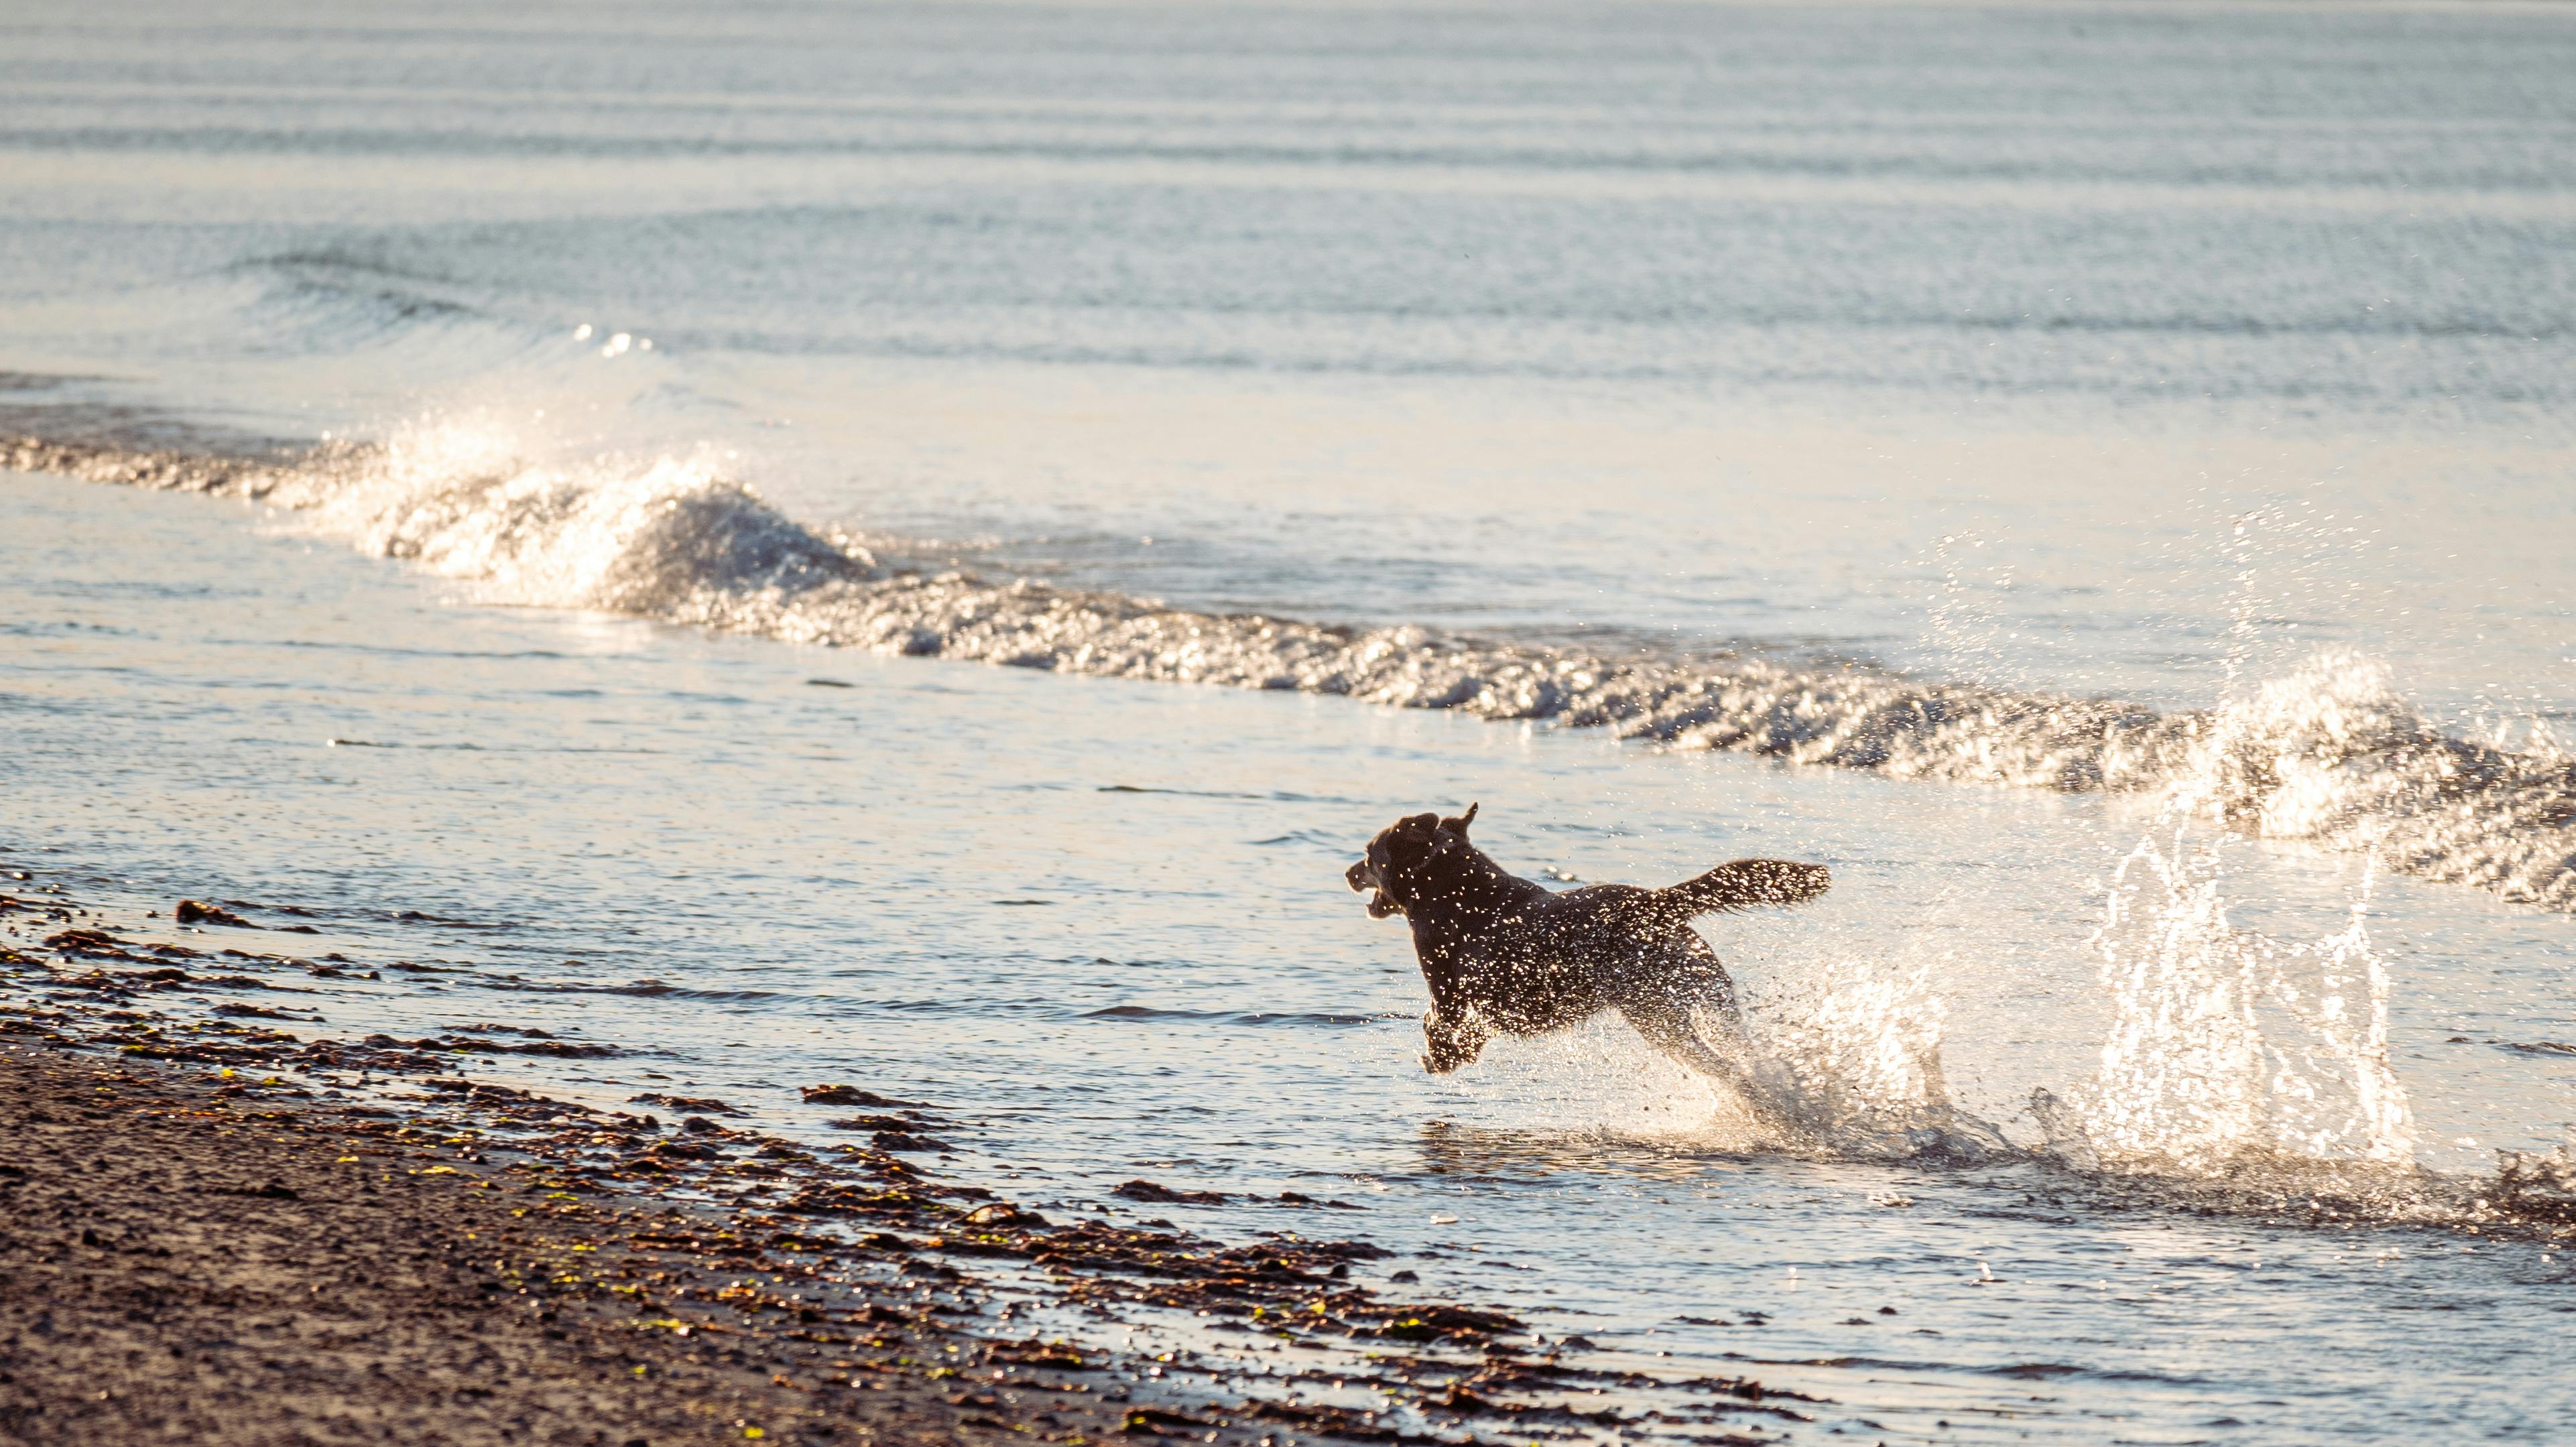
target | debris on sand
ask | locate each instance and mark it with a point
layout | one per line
(695, 1104)
(1149, 1191)
(850, 1095)
(191, 911)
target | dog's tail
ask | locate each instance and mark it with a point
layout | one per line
(1744, 883)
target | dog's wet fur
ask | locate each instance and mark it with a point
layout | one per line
(1508, 955)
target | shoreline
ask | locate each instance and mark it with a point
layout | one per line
(216, 1235)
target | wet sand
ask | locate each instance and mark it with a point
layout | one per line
(216, 1231)
(188, 1265)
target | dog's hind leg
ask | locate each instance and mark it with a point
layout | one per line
(1667, 1024)
(1668, 1027)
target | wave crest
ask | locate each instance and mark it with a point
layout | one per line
(2332, 754)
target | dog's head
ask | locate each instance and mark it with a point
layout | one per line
(1404, 857)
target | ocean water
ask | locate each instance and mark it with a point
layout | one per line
(2099, 478)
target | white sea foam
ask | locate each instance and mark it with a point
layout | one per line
(2332, 754)
(669, 537)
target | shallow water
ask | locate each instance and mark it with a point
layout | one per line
(1662, 348)
(1104, 917)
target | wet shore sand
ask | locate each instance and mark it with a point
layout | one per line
(217, 1231)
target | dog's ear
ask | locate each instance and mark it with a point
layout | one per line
(1458, 826)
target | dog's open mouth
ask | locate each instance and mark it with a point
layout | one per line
(1363, 876)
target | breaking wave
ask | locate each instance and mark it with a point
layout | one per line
(2332, 754)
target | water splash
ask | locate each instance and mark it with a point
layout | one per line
(1852, 1067)
(2331, 753)
(2531, 1186)
(1843, 1065)
(2228, 1046)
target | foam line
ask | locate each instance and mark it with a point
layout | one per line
(2333, 754)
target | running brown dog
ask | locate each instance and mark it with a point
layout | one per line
(1507, 954)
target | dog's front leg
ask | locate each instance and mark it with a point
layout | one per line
(1454, 1039)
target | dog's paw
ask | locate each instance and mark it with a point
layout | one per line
(1452, 1042)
